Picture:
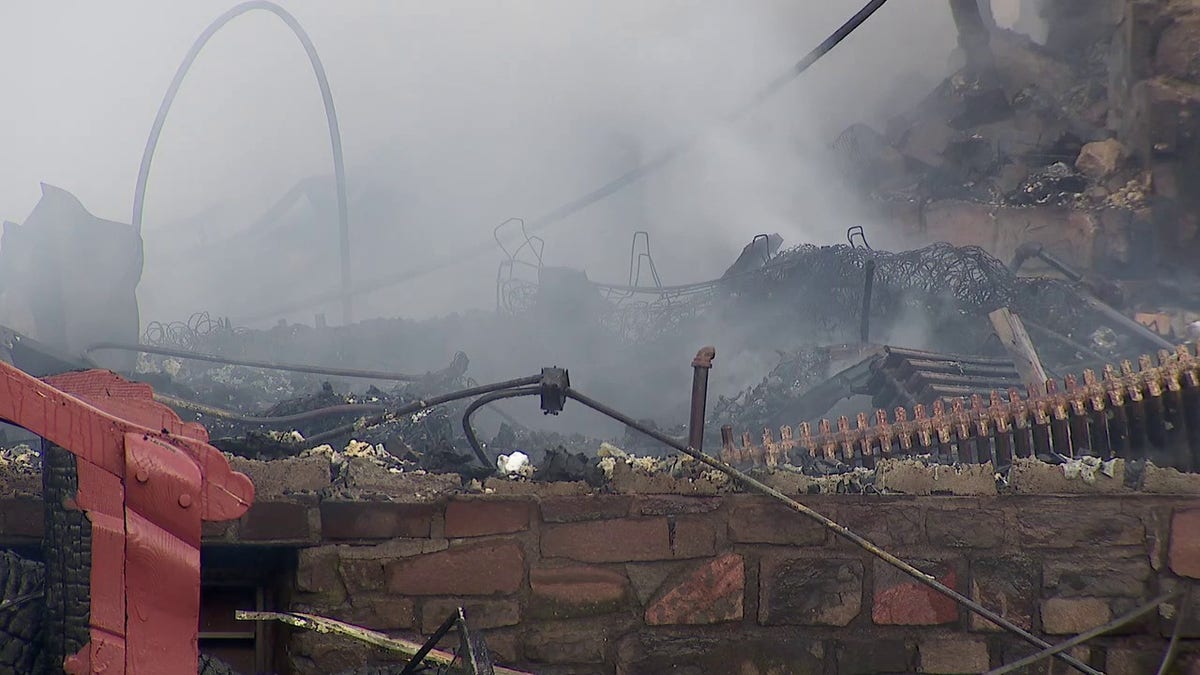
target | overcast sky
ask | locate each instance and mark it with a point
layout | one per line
(470, 112)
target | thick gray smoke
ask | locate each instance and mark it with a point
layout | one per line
(454, 116)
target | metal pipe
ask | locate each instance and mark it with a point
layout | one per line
(318, 413)
(469, 429)
(459, 363)
(864, 330)
(414, 664)
(1131, 327)
(1084, 637)
(1180, 617)
(700, 367)
(335, 134)
(416, 406)
(832, 526)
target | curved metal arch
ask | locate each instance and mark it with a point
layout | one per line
(335, 136)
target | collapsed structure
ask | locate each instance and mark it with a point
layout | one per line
(956, 461)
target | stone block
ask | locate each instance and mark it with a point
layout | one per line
(481, 517)
(285, 476)
(1100, 159)
(565, 592)
(647, 578)
(1007, 585)
(1035, 477)
(480, 614)
(1169, 481)
(363, 476)
(711, 592)
(892, 525)
(573, 509)
(809, 591)
(379, 612)
(1132, 661)
(650, 652)
(490, 568)
(376, 520)
(362, 574)
(1070, 523)
(628, 540)
(672, 505)
(856, 657)
(276, 521)
(1070, 616)
(910, 477)
(565, 642)
(960, 223)
(770, 523)
(964, 528)
(1097, 576)
(362, 567)
(1067, 233)
(317, 570)
(1183, 552)
(954, 655)
(901, 600)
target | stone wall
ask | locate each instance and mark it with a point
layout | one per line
(630, 581)
(736, 583)
(563, 581)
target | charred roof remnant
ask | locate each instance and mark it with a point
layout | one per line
(1152, 413)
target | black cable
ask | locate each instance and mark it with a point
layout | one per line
(317, 413)
(561, 213)
(478, 403)
(416, 406)
(268, 365)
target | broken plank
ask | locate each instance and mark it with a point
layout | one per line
(1012, 335)
(321, 624)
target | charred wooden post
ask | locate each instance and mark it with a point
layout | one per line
(128, 485)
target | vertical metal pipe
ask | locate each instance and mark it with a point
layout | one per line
(700, 367)
(864, 330)
(729, 452)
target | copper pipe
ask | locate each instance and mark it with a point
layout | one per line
(700, 367)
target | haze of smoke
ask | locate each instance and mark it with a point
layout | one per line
(463, 114)
(456, 116)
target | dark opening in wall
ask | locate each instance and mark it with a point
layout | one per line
(244, 579)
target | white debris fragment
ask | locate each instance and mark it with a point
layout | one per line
(1109, 468)
(286, 436)
(608, 450)
(607, 465)
(649, 465)
(516, 465)
(1085, 468)
(172, 367)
